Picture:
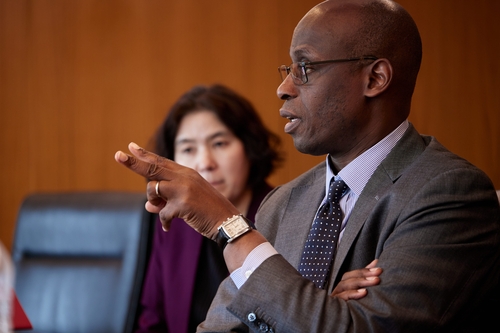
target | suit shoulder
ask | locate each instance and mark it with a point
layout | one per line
(276, 201)
(307, 178)
(439, 159)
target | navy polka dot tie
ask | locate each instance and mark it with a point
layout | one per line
(323, 237)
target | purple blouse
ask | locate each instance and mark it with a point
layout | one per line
(167, 295)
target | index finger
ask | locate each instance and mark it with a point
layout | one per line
(143, 162)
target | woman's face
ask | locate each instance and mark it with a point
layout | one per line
(206, 145)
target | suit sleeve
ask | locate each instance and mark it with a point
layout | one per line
(218, 318)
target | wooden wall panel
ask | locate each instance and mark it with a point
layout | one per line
(81, 79)
(456, 98)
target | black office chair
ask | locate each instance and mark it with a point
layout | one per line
(80, 260)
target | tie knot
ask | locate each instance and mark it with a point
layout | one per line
(337, 190)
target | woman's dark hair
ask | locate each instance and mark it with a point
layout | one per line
(234, 111)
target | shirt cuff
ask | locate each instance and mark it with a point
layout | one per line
(252, 262)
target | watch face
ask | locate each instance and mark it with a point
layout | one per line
(231, 229)
(235, 226)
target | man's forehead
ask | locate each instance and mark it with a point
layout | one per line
(314, 34)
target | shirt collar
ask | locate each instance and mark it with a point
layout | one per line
(358, 172)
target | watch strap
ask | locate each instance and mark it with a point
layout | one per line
(221, 239)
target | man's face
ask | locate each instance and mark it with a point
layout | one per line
(325, 113)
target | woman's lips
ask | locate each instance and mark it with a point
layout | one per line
(216, 183)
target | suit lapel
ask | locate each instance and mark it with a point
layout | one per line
(379, 183)
(298, 217)
(406, 150)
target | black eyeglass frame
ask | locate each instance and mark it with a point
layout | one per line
(303, 64)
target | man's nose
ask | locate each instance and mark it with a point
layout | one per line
(286, 89)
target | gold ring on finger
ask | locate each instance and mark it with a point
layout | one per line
(157, 188)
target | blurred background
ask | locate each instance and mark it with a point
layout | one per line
(81, 79)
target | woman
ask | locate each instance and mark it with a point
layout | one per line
(219, 134)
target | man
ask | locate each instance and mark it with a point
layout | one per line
(430, 218)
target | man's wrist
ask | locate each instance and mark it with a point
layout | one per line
(252, 261)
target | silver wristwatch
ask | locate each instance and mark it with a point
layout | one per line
(231, 229)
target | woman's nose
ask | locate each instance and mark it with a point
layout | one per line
(205, 160)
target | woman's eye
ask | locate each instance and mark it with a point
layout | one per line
(220, 143)
(186, 150)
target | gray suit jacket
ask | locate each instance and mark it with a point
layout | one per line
(431, 218)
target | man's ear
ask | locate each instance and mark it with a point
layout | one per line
(379, 77)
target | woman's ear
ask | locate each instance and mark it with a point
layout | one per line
(379, 77)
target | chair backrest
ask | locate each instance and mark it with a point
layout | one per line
(80, 260)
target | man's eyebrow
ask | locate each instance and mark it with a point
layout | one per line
(301, 53)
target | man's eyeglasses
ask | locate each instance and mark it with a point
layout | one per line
(299, 70)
